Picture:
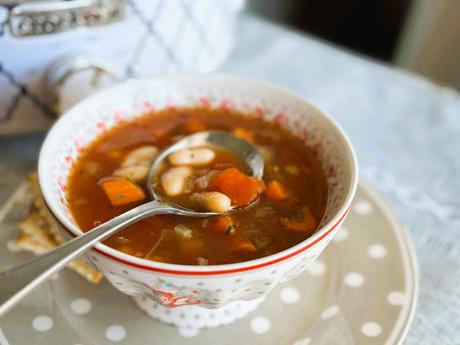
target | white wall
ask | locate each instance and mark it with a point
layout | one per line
(430, 44)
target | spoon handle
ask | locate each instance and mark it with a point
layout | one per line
(17, 282)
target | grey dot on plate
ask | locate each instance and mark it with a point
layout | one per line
(126, 272)
(248, 289)
(238, 281)
(273, 272)
(200, 284)
(234, 290)
(260, 293)
(268, 284)
(302, 266)
(168, 311)
(182, 315)
(218, 290)
(215, 299)
(197, 317)
(118, 283)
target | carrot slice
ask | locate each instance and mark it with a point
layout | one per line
(158, 258)
(222, 225)
(276, 191)
(243, 246)
(243, 134)
(302, 222)
(240, 188)
(121, 191)
(193, 126)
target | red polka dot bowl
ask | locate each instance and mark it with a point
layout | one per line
(200, 296)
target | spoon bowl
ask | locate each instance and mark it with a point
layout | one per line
(244, 150)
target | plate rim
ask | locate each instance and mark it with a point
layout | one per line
(403, 238)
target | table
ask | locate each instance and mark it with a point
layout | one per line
(406, 132)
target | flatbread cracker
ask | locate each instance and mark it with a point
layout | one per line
(40, 205)
(39, 233)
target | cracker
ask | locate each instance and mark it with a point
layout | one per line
(39, 233)
(39, 203)
(26, 242)
(36, 228)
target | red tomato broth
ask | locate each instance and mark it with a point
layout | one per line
(292, 164)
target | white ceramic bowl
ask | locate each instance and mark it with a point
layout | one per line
(205, 296)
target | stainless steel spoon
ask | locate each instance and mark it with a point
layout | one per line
(17, 282)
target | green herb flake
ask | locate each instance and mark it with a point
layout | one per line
(302, 215)
(230, 230)
(292, 169)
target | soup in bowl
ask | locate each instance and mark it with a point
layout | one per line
(94, 165)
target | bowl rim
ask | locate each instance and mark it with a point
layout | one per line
(209, 270)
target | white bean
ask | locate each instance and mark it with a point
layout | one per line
(141, 156)
(213, 201)
(183, 231)
(202, 261)
(135, 173)
(193, 156)
(173, 180)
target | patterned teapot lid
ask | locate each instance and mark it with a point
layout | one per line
(30, 18)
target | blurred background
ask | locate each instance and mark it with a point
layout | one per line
(419, 35)
(113, 40)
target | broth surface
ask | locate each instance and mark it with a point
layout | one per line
(273, 224)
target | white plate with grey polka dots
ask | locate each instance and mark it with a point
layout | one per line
(361, 290)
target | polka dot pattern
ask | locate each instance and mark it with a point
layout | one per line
(377, 251)
(80, 306)
(289, 295)
(363, 207)
(330, 312)
(260, 325)
(115, 333)
(354, 279)
(317, 268)
(42, 323)
(371, 329)
(396, 298)
(196, 316)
